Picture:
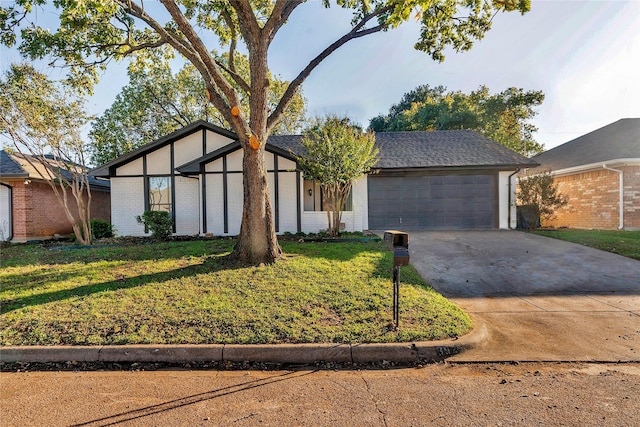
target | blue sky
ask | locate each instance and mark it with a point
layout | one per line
(584, 55)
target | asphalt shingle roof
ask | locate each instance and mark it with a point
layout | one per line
(437, 149)
(9, 167)
(618, 140)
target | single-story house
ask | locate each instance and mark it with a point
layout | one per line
(423, 180)
(30, 210)
(600, 173)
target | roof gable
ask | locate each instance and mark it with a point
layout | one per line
(618, 140)
(104, 170)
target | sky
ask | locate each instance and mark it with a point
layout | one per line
(583, 55)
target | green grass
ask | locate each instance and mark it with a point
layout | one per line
(625, 243)
(192, 292)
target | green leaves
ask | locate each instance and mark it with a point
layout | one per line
(538, 191)
(337, 151)
(501, 117)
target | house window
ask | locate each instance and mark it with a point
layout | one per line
(160, 193)
(314, 199)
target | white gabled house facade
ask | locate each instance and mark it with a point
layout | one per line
(423, 180)
(196, 174)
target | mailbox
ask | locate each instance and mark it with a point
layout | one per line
(400, 256)
(393, 239)
(398, 242)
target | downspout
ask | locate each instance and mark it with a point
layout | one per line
(621, 174)
(509, 200)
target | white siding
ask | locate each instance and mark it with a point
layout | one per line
(503, 201)
(187, 206)
(127, 202)
(235, 197)
(286, 164)
(5, 213)
(159, 161)
(215, 205)
(288, 212)
(132, 168)
(234, 161)
(215, 141)
(187, 149)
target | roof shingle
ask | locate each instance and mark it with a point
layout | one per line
(618, 140)
(436, 149)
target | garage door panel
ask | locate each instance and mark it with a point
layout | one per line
(432, 201)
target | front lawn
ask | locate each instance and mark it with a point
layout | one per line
(626, 243)
(192, 292)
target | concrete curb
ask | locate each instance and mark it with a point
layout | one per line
(415, 352)
(431, 351)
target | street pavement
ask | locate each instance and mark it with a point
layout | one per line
(529, 394)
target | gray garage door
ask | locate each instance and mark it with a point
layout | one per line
(444, 202)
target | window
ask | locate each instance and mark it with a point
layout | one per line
(160, 193)
(314, 199)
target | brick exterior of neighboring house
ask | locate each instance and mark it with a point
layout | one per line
(31, 208)
(582, 170)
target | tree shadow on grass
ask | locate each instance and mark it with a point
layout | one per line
(23, 255)
(208, 266)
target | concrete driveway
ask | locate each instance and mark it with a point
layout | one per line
(534, 298)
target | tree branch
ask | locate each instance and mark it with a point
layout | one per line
(356, 32)
(212, 70)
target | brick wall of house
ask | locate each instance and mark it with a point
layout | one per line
(594, 200)
(37, 213)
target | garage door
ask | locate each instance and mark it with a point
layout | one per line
(437, 202)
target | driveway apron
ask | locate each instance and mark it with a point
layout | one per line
(534, 298)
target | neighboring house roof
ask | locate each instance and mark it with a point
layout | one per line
(434, 149)
(18, 166)
(9, 168)
(616, 141)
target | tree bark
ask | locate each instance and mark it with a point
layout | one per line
(257, 242)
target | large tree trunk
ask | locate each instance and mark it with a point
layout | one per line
(257, 242)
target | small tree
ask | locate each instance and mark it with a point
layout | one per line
(43, 121)
(338, 152)
(540, 195)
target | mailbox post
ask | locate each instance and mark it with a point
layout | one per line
(398, 242)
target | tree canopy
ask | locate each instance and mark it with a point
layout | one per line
(157, 102)
(43, 120)
(502, 116)
(94, 32)
(337, 153)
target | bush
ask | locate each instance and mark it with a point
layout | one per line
(158, 222)
(101, 229)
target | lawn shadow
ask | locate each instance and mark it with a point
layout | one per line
(22, 255)
(211, 264)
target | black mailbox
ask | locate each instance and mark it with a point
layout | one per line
(393, 239)
(398, 242)
(400, 256)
